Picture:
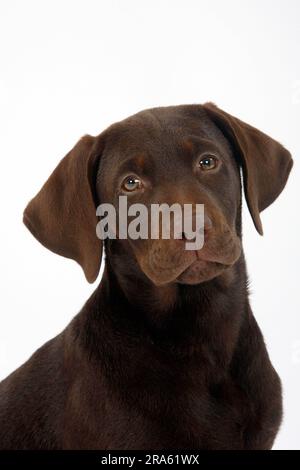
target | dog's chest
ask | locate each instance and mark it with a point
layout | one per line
(195, 419)
(162, 419)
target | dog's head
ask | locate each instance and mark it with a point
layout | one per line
(184, 154)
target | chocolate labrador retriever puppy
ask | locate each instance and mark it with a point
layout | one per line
(166, 354)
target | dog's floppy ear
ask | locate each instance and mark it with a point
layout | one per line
(62, 216)
(265, 163)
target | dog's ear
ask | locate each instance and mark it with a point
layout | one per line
(62, 216)
(265, 163)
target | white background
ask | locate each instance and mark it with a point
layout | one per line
(73, 67)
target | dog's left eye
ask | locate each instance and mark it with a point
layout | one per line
(131, 183)
(208, 162)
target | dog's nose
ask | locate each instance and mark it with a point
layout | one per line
(207, 227)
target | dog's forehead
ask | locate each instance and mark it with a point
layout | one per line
(157, 141)
(172, 116)
(159, 127)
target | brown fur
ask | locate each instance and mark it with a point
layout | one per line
(166, 354)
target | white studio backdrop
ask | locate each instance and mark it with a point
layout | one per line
(74, 67)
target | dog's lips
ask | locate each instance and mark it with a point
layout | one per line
(189, 266)
(205, 267)
(200, 270)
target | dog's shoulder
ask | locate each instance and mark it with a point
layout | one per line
(32, 397)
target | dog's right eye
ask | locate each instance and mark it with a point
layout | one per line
(131, 183)
(208, 162)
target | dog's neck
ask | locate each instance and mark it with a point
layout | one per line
(175, 318)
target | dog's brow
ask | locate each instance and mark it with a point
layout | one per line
(187, 144)
(139, 161)
(136, 162)
(195, 144)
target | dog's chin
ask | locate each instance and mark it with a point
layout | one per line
(201, 271)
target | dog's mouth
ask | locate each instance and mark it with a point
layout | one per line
(164, 266)
(200, 271)
(194, 270)
(208, 265)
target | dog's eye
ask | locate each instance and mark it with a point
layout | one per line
(131, 183)
(209, 162)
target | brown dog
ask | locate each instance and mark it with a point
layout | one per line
(166, 354)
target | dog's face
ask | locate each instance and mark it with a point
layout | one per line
(168, 156)
(184, 154)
